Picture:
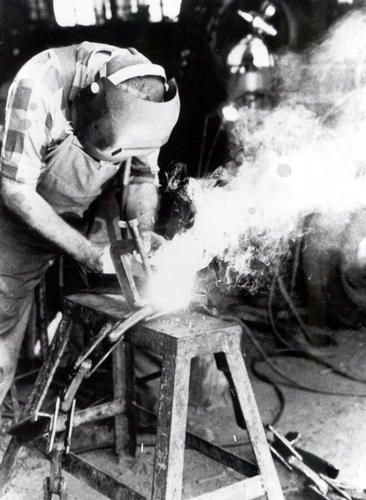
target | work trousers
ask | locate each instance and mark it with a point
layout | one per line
(24, 258)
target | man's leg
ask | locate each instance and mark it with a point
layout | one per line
(14, 314)
(22, 264)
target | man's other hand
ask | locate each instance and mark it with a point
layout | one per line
(94, 258)
(152, 241)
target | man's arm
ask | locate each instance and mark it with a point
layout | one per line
(25, 139)
(142, 201)
(142, 194)
(142, 204)
(25, 202)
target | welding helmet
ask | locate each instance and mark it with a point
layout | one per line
(113, 121)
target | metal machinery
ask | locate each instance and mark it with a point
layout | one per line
(231, 65)
(245, 38)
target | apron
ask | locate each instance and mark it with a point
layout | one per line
(73, 179)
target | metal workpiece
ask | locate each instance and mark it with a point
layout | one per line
(83, 356)
(140, 315)
(76, 380)
(83, 367)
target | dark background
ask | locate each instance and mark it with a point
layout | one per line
(192, 49)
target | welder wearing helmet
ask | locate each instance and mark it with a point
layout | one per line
(74, 115)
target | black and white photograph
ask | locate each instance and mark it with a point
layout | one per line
(183, 249)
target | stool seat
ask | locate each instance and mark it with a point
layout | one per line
(176, 338)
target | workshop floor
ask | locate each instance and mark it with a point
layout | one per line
(331, 426)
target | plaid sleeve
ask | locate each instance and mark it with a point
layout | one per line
(145, 168)
(25, 135)
(29, 117)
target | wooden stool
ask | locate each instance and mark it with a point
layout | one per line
(177, 340)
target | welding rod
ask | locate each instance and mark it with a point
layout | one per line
(124, 177)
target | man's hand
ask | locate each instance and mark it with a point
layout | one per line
(94, 259)
(107, 262)
(29, 206)
(152, 241)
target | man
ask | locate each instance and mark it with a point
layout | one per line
(74, 115)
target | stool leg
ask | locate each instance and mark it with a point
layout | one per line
(130, 399)
(119, 395)
(37, 395)
(171, 428)
(254, 425)
(43, 336)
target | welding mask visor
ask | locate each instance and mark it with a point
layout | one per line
(113, 123)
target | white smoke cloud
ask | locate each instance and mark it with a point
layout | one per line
(307, 156)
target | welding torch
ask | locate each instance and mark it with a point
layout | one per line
(320, 475)
(133, 226)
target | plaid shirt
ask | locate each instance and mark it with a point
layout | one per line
(38, 111)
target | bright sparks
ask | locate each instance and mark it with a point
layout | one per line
(172, 286)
